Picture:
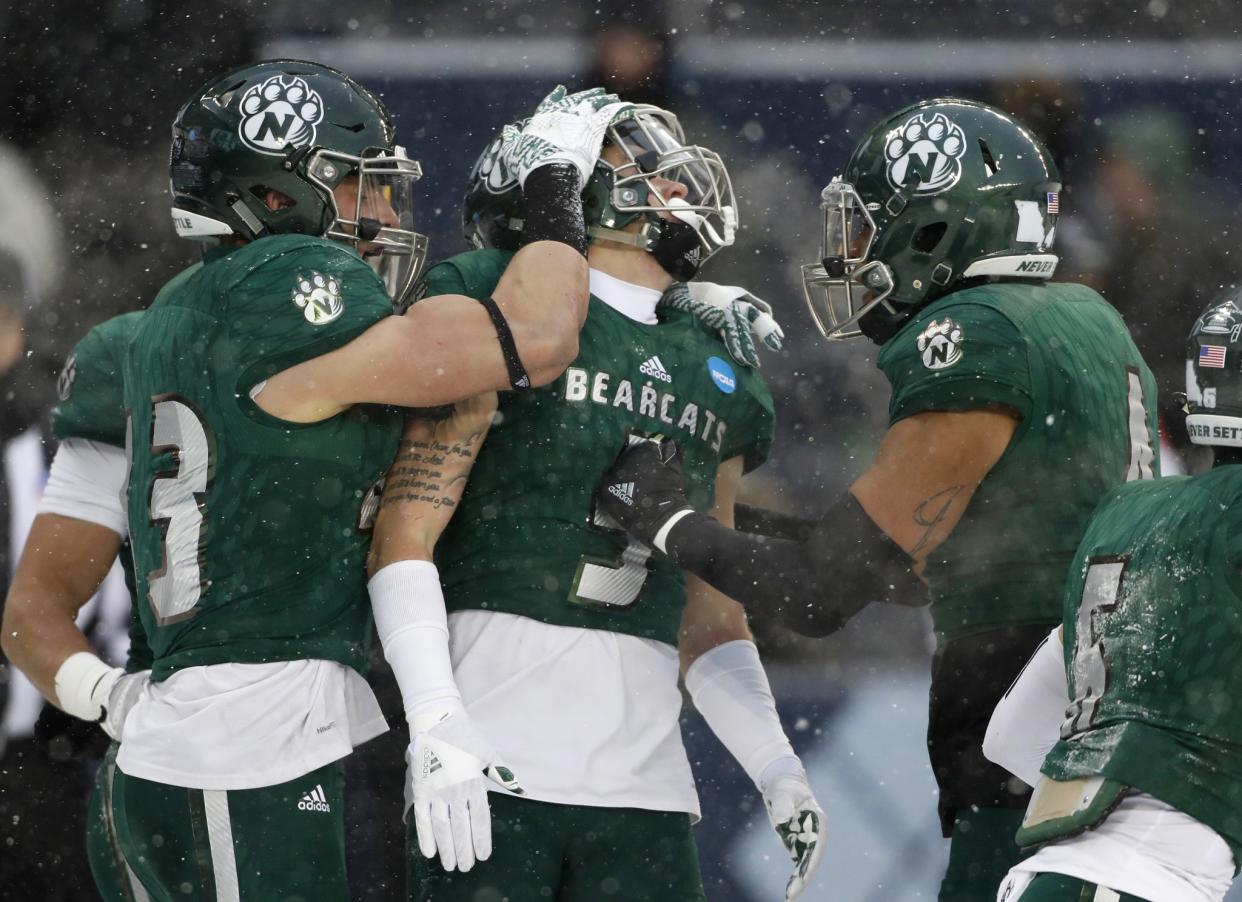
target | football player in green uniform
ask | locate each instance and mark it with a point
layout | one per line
(252, 462)
(76, 535)
(1016, 404)
(567, 638)
(1140, 795)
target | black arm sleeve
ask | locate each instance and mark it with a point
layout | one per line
(553, 207)
(747, 518)
(812, 586)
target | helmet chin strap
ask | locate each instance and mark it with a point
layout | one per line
(674, 245)
(642, 239)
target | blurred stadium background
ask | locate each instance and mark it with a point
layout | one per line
(1139, 102)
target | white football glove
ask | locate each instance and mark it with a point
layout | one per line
(741, 318)
(801, 825)
(566, 128)
(123, 695)
(446, 787)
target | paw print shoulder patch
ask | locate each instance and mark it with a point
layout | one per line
(940, 344)
(319, 296)
(925, 155)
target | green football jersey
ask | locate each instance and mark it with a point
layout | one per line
(1061, 357)
(527, 538)
(91, 406)
(248, 540)
(1153, 641)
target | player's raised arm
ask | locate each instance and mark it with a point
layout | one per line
(450, 347)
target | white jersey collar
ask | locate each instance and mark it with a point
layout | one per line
(635, 301)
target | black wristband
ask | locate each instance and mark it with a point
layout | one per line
(552, 207)
(518, 378)
(812, 586)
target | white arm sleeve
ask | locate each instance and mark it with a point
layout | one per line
(1027, 722)
(412, 625)
(86, 482)
(730, 688)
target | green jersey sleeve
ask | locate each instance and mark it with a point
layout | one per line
(752, 439)
(91, 397)
(474, 273)
(958, 357)
(302, 300)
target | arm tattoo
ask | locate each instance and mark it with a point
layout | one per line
(429, 471)
(931, 512)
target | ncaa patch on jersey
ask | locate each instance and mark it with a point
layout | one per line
(722, 374)
(320, 298)
(940, 344)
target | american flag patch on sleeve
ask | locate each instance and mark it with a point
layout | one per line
(1054, 202)
(1212, 356)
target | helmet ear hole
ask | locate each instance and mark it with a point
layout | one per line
(925, 239)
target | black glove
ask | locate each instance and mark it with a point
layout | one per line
(644, 488)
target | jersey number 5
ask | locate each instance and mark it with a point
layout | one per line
(1100, 587)
(176, 506)
(615, 583)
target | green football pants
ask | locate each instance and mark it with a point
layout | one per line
(543, 852)
(283, 843)
(981, 852)
(114, 879)
(1060, 888)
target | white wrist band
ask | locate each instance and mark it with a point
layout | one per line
(662, 536)
(412, 625)
(83, 683)
(730, 689)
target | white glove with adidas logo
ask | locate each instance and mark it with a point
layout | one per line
(448, 761)
(566, 128)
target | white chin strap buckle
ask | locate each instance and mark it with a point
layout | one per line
(685, 213)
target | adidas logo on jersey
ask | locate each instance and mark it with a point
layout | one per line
(314, 800)
(655, 369)
(624, 491)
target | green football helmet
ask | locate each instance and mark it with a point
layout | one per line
(301, 129)
(1214, 373)
(691, 230)
(938, 193)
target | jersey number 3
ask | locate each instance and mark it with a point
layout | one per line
(176, 507)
